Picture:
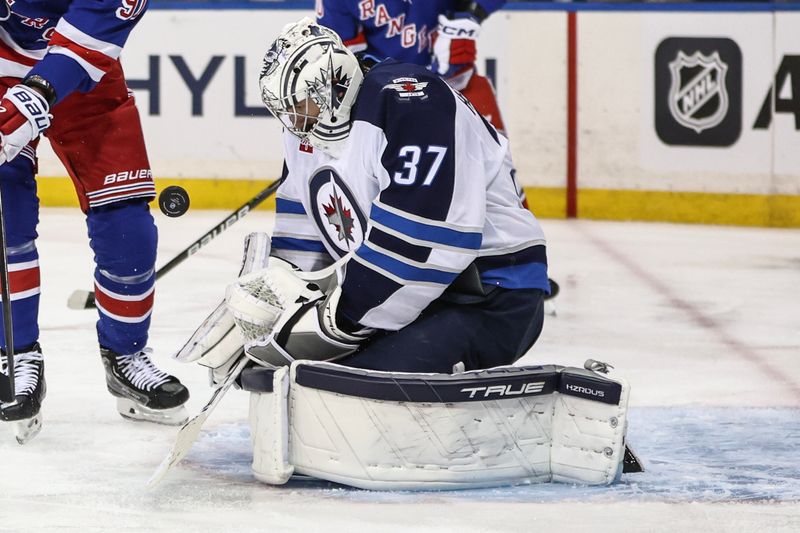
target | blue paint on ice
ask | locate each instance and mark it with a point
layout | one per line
(704, 454)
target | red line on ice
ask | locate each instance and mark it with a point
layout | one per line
(703, 320)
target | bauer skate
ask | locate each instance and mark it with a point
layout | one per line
(24, 411)
(143, 391)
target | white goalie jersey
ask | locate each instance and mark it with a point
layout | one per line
(423, 189)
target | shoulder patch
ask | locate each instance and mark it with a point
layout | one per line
(407, 88)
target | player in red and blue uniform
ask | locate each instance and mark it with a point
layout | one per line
(438, 33)
(61, 76)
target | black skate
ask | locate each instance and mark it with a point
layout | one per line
(30, 388)
(143, 391)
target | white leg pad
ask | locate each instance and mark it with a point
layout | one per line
(400, 431)
(382, 445)
(269, 424)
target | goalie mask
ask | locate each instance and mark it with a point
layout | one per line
(309, 81)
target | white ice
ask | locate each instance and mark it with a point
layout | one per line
(703, 321)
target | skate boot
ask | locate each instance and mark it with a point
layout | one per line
(30, 388)
(143, 391)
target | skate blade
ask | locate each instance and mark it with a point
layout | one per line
(25, 430)
(131, 410)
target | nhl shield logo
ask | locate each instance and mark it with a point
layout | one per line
(698, 96)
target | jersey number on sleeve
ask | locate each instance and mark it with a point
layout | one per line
(411, 156)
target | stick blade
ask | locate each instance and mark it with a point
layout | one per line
(80, 300)
(183, 443)
(189, 432)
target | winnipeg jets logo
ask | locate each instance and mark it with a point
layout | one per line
(340, 218)
(407, 87)
(330, 84)
(340, 221)
(698, 96)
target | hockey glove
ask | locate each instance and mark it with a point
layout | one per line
(284, 317)
(24, 115)
(454, 50)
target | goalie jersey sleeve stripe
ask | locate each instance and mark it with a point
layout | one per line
(398, 245)
(427, 232)
(283, 205)
(303, 245)
(295, 238)
(402, 269)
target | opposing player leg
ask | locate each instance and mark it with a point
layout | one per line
(21, 210)
(123, 237)
(480, 93)
(114, 185)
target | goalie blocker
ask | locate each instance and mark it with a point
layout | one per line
(390, 431)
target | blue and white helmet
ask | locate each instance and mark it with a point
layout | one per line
(309, 63)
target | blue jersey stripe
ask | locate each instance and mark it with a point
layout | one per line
(303, 245)
(397, 245)
(404, 270)
(526, 276)
(283, 205)
(426, 232)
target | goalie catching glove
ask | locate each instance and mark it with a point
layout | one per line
(285, 314)
(217, 343)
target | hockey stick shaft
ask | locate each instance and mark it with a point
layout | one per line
(7, 391)
(88, 301)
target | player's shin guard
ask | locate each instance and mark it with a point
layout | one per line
(124, 238)
(24, 280)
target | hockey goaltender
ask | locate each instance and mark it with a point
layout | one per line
(401, 251)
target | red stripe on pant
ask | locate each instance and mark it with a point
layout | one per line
(23, 282)
(134, 310)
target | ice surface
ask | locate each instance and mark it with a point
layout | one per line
(703, 321)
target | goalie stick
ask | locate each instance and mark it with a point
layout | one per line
(7, 392)
(191, 429)
(255, 257)
(81, 299)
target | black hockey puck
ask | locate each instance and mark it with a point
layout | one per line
(173, 201)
